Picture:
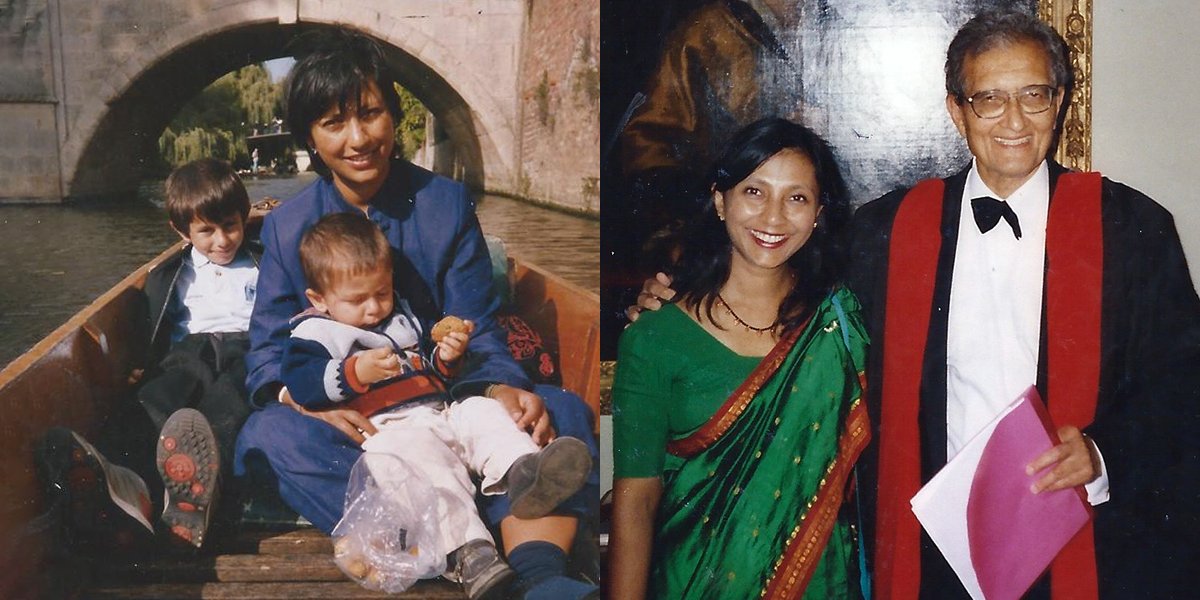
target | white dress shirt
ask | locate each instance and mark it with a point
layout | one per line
(995, 317)
(212, 298)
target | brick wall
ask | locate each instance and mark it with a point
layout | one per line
(559, 94)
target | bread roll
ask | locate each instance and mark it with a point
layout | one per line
(447, 326)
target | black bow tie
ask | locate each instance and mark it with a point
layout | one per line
(988, 211)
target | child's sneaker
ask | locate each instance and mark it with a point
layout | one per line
(105, 504)
(538, 482)
(189, 463)
(483, 575)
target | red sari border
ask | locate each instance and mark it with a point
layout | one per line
(807, 541)
(735, 405)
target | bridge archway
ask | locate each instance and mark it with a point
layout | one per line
(111, 139)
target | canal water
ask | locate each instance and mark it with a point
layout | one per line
(55, 259)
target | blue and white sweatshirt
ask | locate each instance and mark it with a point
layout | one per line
(320, 353)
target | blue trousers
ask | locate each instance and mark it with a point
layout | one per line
(311, 460)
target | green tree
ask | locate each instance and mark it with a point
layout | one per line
(410, 131)
(216, 121)
(201, 142)
(258, 97)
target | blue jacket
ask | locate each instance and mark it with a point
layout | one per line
(441, 266)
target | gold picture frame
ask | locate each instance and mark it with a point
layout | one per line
(1073, 20)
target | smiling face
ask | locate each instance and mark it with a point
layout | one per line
(770, 214)
(218, 242)
(356, 144)
(360, 300)
(1009, 148)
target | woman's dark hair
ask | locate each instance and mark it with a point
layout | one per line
(705, 248)
(994, 29)
(334, 66)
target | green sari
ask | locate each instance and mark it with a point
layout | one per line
(752, 509)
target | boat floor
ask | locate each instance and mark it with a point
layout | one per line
(286, 565)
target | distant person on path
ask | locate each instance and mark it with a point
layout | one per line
(342, 105)
(192, 395)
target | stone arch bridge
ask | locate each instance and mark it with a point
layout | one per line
(87, 87)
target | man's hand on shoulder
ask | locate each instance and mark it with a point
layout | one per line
(526, 409)
(655, 291)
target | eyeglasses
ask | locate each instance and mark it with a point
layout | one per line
(1032, 99)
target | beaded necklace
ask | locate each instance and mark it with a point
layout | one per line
(739, 321)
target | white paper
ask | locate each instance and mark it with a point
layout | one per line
(941, 505)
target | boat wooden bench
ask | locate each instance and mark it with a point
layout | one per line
(78, 373)
(259, 565)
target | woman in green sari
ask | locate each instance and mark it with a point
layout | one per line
(737, 408)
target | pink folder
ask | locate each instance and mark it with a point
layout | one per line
(997, 535)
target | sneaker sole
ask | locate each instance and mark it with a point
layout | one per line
(562, 470)
(188, 462)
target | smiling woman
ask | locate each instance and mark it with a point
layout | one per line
(354, 140)
(344, 109)
(342, 105)
(763, 327)
(771, 214)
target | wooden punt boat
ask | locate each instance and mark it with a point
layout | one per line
(78, 373)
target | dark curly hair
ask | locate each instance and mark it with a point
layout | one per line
(704, 247)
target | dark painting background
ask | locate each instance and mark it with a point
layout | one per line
(865, 74)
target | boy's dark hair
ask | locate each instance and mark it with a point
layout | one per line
(206, 188)
(705, 249)
(334, 67)
(342, 245)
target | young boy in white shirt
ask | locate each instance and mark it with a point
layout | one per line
(191, 396)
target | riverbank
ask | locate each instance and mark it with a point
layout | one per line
(588, 212)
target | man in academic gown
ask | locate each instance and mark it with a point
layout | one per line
(1067, 281)
(1074, 283)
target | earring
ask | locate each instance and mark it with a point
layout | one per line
(814, 224)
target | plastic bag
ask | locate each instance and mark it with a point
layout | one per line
(387, 540)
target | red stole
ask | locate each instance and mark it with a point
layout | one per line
(1074, 261)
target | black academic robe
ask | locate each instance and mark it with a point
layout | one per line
(1147, 413)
